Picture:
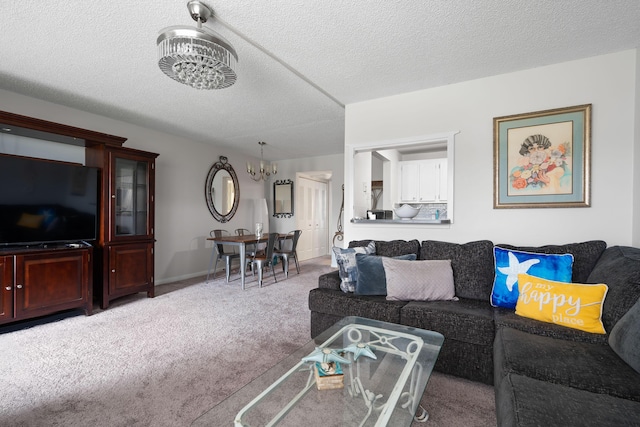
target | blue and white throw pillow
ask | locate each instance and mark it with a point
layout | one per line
(346, 259)
(510, 263)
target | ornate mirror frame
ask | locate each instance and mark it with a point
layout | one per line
(280, 211)
(221, 165)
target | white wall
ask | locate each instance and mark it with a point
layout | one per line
(182, 219)
(607, 82)
(287, 169)
(361, 186)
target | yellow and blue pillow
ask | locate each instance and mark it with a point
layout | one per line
(510, 263)
(574, 305)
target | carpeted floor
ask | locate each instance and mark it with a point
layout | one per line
(165, 361)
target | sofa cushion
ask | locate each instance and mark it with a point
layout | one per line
(466, 320)
(342, 304)
(391, 248)
(419, 280)
(572, 305)
(507, 318)
(591, 367)
(472, 265)
(527, 402)
(509, 263)
(371, 276)
(585, 255)
(320, 322)
(625, 337)
(346, 259)
(466, 360)
(619, 268)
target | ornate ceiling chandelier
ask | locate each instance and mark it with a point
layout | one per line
(265, 170)
(198, 57)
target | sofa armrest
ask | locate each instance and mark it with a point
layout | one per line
(330, 281)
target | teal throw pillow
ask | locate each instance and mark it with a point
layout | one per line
(346, 260)
(371, 277)
(510, 263)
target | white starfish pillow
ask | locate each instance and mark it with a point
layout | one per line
(516, 267)
(510, 263)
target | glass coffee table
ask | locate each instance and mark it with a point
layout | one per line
(359, 372)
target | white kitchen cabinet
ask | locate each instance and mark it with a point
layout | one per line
(423, 181)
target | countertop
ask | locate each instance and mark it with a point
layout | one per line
(399, 221)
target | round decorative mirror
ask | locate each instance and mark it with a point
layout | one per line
(222, 190)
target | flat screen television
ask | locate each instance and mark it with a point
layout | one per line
(45, 201)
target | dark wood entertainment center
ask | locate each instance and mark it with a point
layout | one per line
(37, 282)
(44, 279)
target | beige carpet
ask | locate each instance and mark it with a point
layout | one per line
(165, 361)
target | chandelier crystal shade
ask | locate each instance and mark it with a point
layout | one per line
(197, 57)
(265, 170)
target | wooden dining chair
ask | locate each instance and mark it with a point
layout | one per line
(222, 253)
(265, 259)
(286, 255)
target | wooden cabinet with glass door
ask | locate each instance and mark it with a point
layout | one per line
(126, 239)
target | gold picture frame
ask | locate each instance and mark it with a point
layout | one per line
(543, 159)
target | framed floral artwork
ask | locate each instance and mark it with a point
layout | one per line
(542, 159)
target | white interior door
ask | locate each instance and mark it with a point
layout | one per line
(312, 205)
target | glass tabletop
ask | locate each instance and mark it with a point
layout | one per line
(359, 372)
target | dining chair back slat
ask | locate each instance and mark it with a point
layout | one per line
(251, 249)
(286, 255)
(262, 260)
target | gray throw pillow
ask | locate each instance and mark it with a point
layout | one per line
(430, 280)
(371, 277)
(625, 337)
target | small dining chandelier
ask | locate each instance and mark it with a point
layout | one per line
(197, 57)
(265, 170)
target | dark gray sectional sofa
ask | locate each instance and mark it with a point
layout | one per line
(543, 374)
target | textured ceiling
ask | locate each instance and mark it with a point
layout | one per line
(103, 58)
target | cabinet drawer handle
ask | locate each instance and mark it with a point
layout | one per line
(113, 271)
(19, 286)
(8, 288)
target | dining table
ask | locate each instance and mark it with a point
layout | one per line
(241, 242)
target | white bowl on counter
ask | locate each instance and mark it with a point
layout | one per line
(406, 212)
